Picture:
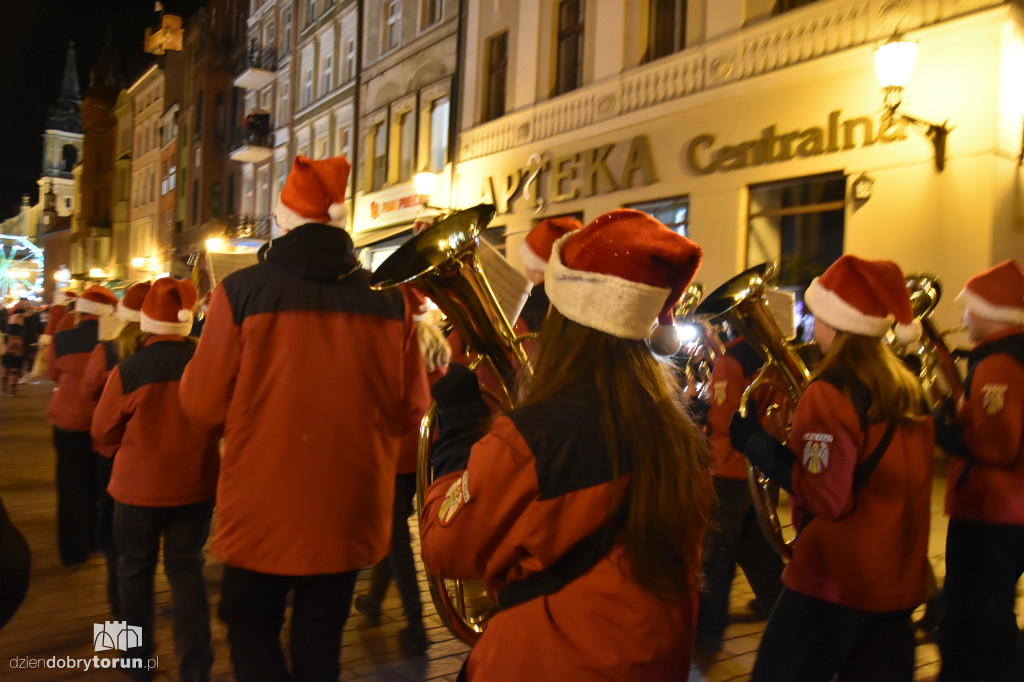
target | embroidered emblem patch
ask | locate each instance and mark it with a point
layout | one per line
(720, 389)
(816, 455)
(454, 499)
(992, 398)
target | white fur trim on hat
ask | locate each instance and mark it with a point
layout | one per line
(88, 307)
(338, 213)
(908, 333)
(288, 219)
(609, 304)
(530, 258)
(127, 314)
(837, 313)
(983, 308)
(180, 328)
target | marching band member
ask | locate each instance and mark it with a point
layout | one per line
(978, 635)
(859, 469)
(535, 252)
(584, 508)
(163, 481)
(77, 487)
(316, 379)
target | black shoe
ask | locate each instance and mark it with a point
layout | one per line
(413, 640)
(365, 606)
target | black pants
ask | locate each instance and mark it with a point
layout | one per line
(978, 635)
(735, 538)
(399, 563)
(253, 607)
(80, 485)
(810, 640)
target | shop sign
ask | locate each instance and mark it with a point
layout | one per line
(581, 174)
(704, 157)
(379, 208)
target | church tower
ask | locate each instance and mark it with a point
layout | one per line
(63, 141)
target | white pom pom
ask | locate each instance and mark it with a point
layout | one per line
(665, 340)
(338, 212)
(908, 333)
(184, 315)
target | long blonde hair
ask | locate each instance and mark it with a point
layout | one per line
(127, 340)
(646, 429)
(896, 393)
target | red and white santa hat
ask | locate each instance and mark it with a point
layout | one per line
(314, 193)
(621, 275)
(129, 307)
(96, 300)
(536, 248)
(168, 307)
(864, 297)
(996, 294)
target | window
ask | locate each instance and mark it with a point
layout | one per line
(433, 10)
(286, 39)
(781, 6)
(379, 145)
(199, 157)
(673, 213)
(231, 194)
(311, 12)
(307, 87)
(195, 202)
(220, 124)
(667, 32)
(570, 46)
(350, 60)
(392, 25)
(199, 114)
(268, 39)
(344, 136)
(321, 148)
(215, 205)
(406, 145)
(497, 73)
(171, 180)
(800, 223)
(283, 113)
(327, 74)
(264, 192)
(282, 175)
(439, 109)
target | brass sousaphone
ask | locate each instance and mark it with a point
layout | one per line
(444, 263)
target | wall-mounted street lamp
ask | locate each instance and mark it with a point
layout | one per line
(894, 62)
(425, 183)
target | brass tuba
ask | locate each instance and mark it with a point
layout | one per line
(935, 363)
(444, 262)
(742, 302)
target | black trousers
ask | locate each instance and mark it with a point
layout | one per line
(810, 640)
(400, 563)
(80, 486)
(253, 607)
(978, 635)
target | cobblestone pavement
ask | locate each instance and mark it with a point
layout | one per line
(57, 617)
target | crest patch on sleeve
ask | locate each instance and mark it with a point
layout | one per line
(816, 458)
(456, 497)
(992, 398)
(720, 388)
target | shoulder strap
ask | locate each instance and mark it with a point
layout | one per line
(1010, 345)
(575, 563)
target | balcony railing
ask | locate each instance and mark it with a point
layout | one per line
(255, 68)
(248, 227)
(253, 142)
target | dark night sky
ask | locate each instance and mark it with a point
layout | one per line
(34, 35)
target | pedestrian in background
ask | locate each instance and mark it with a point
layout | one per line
(978, 634)
(79, 485)
(14, 352)
(163, 482)
(583, 509)
(859, 470)
(317, 381)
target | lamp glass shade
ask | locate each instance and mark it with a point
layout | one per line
(425, 183)
(138, 262)
(894, 62)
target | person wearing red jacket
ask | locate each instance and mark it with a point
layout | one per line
(735, 536)
(163, 482)
(859, 469)
(317, 380)
(978, 634)
(78, 487)
(102, 360)
(535, 252)
(583, 509)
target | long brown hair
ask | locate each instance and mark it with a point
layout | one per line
(896, 393)
(644, 422)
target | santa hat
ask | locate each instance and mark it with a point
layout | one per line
(96, 300)
(996, 294)
(536, 248)
(864, 297)
(129, 307)
(168, 307)
(314, 193)
(621, 274)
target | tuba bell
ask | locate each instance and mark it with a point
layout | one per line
(444, 262)
(931, 357)
(742, 302)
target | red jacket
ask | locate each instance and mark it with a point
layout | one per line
(317, 379)
(513, 512)
(868, 551)
(66, 358)
(731, 375)
(992, 418)
(162, 460)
